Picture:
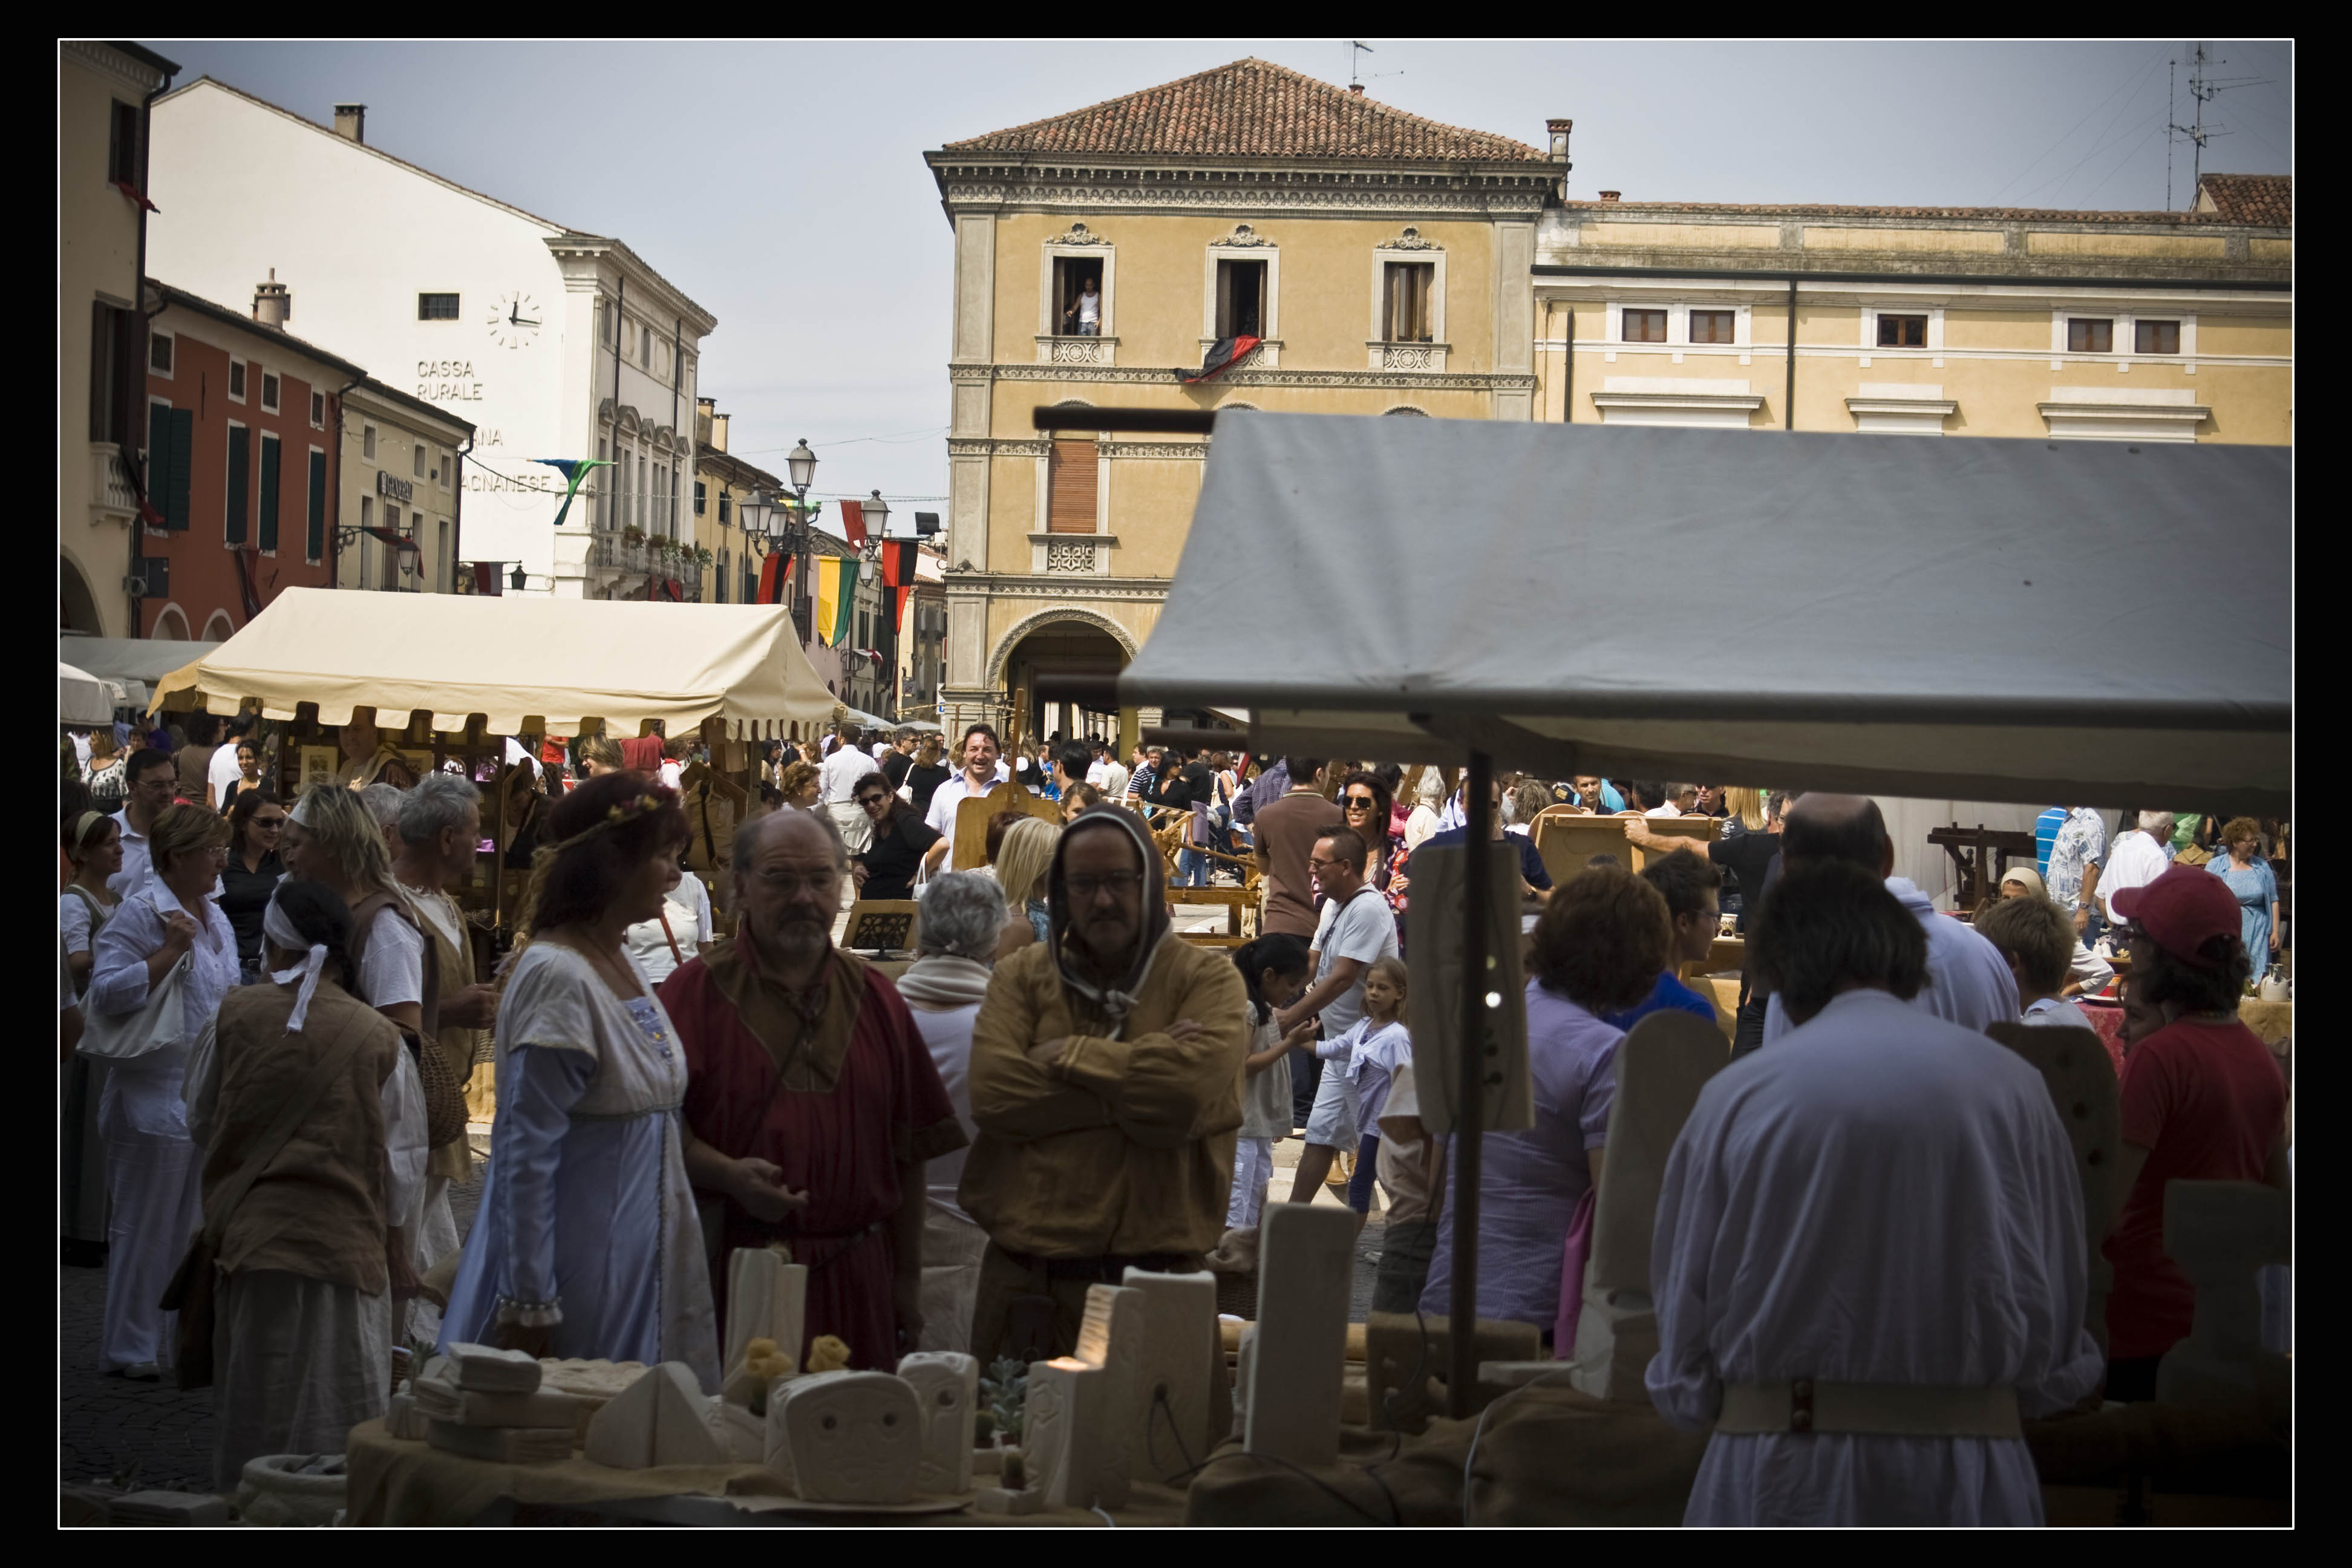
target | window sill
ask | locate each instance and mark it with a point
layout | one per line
(1391, 355)
(1072, 349)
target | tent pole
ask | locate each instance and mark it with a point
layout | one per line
(1469, 1098)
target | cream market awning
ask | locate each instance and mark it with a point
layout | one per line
(516, 661)
(83, 698)
(2085, 622)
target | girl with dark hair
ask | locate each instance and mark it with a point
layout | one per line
(1274, 971)
(256, 821)
(310, 1260)
(586, 1244)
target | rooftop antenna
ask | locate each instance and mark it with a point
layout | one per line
(1355, 50)
(2202, 90)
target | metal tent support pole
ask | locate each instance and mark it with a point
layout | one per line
(1469, 1095)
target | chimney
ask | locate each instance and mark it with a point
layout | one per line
(1557, 129)
(272, 305)
(1357, 87)
(703, 409)
(1611, 195)
(351, 119)
(718, 431)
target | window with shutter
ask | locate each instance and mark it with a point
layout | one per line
(1070, 499)
(171, 433)
(314, 544)
(240, 483)
(269, 458)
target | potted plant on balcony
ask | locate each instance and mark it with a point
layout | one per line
(702, 556)
(633, 536)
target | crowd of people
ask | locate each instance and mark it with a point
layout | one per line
(1059, 1087)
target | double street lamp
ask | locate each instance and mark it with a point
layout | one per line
(786, 520)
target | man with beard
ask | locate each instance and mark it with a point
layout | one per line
(1105, 1086)
(799, 1055)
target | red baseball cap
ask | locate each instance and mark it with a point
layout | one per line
(2181, 910)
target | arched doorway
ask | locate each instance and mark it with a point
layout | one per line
(77, 606)
(170, 625)
(220, 628)
(1066, 641)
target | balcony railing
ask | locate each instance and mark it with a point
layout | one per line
(110, 492)
(611, 551)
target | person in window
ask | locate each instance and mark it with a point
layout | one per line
(1084, 314)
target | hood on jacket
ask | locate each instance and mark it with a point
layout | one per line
(1113, 1000)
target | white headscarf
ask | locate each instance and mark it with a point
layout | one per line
(279, 929)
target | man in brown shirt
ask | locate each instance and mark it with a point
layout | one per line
(1285, 832)
(195, 761)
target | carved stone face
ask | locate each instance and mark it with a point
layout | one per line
(947, 1391)
(855, 1437)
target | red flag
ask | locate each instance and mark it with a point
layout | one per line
(773, 572)
(852, 521)
(1220, 357)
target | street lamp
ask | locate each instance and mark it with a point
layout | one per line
(877, 515)
(802, 466)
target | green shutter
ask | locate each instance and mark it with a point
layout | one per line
(269, 462)
(240, 482)
(169, 470)
(315, 545)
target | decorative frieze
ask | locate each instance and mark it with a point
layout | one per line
(1244, 237)
(1161, 374)
(1356, 193)
(1058, 350)
(1080, 235)
(1409, 239)
(1074, 557)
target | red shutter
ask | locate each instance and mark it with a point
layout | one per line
(1070, 502)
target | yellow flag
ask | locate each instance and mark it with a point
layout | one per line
(828, 595)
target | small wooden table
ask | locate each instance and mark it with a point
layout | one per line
(1240, 904)
(1970, 849)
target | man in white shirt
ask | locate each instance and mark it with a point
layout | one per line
(1969, 981)
(2137, 859)
(1868, 1263)
(980, 774)
(223, 770)
(1659, 800)
(1088, 310)
(837, 781)
(1355, 931)
(148, 781)
(1113, 783)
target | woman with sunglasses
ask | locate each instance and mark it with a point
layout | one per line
(887, 869)
(1365, 802)
(254, 823)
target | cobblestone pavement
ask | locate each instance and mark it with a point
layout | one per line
(110, 1425)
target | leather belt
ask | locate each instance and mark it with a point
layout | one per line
(1807, 1404)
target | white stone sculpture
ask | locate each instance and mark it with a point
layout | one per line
(660, 1419)
(1064, 1415)
(845, 1437)
(766, 1299)
(947, 1391)
(1172, 1388)
(1661, 1067)
(1305, 1265)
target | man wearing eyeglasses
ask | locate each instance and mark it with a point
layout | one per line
(1106, 1085)
(1356, 932)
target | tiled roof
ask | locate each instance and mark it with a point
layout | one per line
(1250, 108)
(2266, 205)
(2267, 199)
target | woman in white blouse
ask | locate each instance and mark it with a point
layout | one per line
(151, 1182)
(662, 945)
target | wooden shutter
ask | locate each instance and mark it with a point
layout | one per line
(314, 544)
(1070, 502)
(240, 482)
(269, 461)
(170, 434)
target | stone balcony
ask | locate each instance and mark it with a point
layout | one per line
(112, 498)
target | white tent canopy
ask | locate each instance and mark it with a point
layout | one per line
(1994, 620)
(83, 698)
(519, 662)
(134, 664)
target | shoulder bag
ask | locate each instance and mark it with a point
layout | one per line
(118, 1036)
(194, 1286)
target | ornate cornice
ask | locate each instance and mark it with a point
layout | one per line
(1068, 587)
(1166, 375)
(1465, 190)
(1194, 450)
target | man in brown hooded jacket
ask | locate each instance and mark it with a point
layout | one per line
(1106, 1084)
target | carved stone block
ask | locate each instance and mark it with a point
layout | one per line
(1175, 1373)
(1066, 1414)
(947, 1391)
(845, 1437)
(1306, 1264)
(660, 1419)
(766, 1299)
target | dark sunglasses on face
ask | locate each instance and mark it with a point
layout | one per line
(1361, 802)
(870, 799)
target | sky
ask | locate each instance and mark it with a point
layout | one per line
(781, 186)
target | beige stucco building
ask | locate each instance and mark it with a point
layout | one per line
(1929, 322)
(1382, 260)
(103, 93)
(401, 506)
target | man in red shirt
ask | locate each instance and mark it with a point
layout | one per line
(2202, 1102)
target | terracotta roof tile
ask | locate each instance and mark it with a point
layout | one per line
(1250, 108)
(2267, 199)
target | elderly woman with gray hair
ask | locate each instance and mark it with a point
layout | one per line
(964, 913)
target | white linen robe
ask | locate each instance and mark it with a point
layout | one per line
(1881, 1198)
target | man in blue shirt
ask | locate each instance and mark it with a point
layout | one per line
(2045, 834)
(1693, 890)
(1593, 793)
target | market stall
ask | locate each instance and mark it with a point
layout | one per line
(84, 699)
(1887, 617)
(134, 664)
(451, 677)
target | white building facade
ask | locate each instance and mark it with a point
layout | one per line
(552, 343)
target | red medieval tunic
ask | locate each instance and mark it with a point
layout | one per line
(843, 1101)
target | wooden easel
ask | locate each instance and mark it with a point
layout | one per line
(973, 811)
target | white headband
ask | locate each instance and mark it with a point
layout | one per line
(300, 812)
(279, 929)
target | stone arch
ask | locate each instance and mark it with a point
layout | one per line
(227, 627)
(171, 624)
(1408, 410)
(77, 606)
(1001, 654)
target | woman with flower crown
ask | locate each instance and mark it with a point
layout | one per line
(586, 1244)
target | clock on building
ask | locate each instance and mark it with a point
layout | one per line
(514, 319)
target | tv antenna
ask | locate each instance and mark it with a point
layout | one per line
(2202, 90)
(1355, 79)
